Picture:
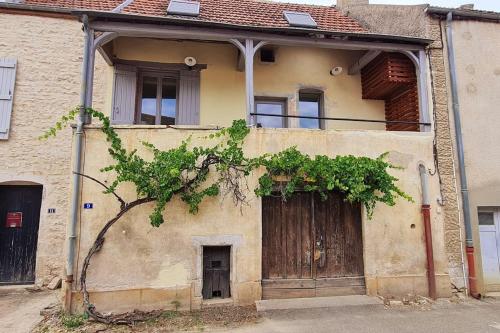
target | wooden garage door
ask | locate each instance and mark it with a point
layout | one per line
(311, 247)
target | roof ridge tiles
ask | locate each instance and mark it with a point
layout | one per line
(258, 13)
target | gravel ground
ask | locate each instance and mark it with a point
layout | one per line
(20, 309)
(214, 318)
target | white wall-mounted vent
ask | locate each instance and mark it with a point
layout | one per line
(300, 19)
(183, 7)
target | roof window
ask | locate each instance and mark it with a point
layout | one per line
(300, 19)
(183, 7)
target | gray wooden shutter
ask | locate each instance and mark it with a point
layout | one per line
(7, 82)
(124, 96)
(189, 98)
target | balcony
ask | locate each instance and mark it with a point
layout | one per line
(272, 83)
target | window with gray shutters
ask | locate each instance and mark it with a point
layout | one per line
(7, 83)
(156, 97)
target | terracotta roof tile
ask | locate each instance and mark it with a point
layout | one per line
(258, 13)
(105, 5)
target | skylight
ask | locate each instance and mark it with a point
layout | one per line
(183, 7)
(300, 19)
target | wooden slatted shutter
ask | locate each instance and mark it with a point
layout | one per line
(189, 98)
(7, 83)
(124, 92)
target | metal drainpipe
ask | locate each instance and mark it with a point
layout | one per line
(426, 213)
(469, 244)
(75, 198)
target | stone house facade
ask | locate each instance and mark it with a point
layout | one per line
(167, 264)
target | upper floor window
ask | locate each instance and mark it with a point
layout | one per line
(270, 107)
(156, 94)
(158, 100)
(310, 106)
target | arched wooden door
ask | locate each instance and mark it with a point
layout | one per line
(311, 247)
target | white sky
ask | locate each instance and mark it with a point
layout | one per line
(478, 4)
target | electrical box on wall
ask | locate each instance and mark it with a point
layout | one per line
(14, 220)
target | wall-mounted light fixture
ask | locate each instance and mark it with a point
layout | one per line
(190, 62)
(335, 71)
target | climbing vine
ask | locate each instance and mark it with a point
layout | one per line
(221, 168)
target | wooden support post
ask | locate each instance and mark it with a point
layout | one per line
(423, 91)
(249, 54)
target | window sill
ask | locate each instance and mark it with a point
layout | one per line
(183, 127)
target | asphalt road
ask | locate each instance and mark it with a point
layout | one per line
(467, 317)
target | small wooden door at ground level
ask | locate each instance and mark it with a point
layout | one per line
(19, 219)
(216, 272)
(311, 247)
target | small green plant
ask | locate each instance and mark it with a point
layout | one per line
(73, 321)
(176, 305)
(169, 314)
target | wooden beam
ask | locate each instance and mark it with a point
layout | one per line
(363, 61)
(191, 33)
(108, 57)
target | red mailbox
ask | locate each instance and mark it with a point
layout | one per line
(14, 220)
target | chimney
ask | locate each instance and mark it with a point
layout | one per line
(469, 6)
(350, 3)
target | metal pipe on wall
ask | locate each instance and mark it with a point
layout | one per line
(76, 182)
(469, 244)
(426, 213)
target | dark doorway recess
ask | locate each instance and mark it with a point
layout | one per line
(311, 247)
(19, 219)
(216, 272)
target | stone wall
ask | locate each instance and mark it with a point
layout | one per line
(49, 54)
(445, 152)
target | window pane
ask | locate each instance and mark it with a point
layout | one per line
(309, 106)
(148, 100)
(270, 108)
(486, 219)
(168, 102)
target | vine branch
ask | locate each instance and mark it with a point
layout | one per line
(108, 190)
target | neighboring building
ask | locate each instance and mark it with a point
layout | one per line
(140, 80)
(40, 65)
(476, 45)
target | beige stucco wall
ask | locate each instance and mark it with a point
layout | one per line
(477, 45)
(223, 87)
(48, 51)
(146, 267)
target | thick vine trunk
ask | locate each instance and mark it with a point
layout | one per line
(96, 247)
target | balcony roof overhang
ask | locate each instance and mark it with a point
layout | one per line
(133, 25)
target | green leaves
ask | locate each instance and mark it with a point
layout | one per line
(360, 179)
(185, 171)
